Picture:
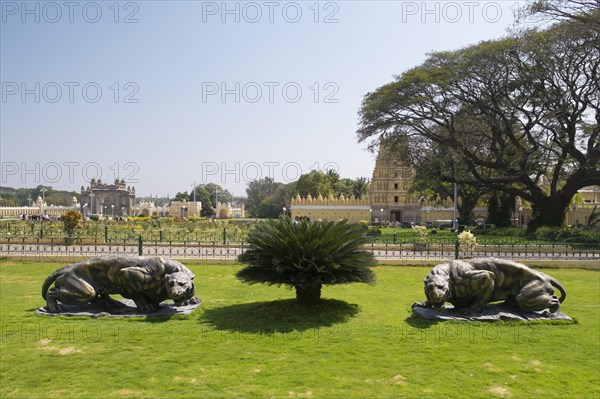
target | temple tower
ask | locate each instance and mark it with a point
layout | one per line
(391, 202)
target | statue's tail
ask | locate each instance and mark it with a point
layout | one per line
(556, 284)
(50, 280)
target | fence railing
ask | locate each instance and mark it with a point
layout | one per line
(190, 232)
(206, 231)
(446, 250)
(48, 249)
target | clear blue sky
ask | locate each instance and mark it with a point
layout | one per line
(163, 119)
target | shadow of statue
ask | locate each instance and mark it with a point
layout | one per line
(281, 316)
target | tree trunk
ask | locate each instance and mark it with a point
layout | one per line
(308, 296)
(552, 214)
(468, 198)
(466, 214)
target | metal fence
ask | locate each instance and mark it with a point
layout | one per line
(48, 249)
(117, 231)
(51, 249)
(446, 250)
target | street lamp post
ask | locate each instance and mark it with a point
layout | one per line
(381, 215)
(517, 212)
(112, 207)
(454, 219)
(43, 190)
(91, 203)
(194, 198)
(284, 210)
(85, 209)
(520, 216)
(216, 202)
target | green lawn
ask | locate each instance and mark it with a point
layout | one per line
(252, 341)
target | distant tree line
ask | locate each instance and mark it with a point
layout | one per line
(267, 198)
(208, 194)
(27, 196)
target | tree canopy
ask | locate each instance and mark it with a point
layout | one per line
(208, 194)
(584, 11)
(27, 196)
(266, 197)
(520, 114)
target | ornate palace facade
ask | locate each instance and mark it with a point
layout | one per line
(99, 198)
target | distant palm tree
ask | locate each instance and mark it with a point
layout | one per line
(307, 255)
(360, 187)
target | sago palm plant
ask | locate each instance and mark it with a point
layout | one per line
(307, 255)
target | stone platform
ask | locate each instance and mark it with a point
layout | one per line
(493, 312)
(167, 308)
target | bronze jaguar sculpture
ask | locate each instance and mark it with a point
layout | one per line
(471, 285)
(146, 280)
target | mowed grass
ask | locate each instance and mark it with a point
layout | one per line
(253, 341)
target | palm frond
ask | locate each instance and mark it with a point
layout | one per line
(306, 253)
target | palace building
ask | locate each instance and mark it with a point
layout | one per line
(330, 208)
(227, 210)
(107, 199)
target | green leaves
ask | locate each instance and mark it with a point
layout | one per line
(302, 254)
(514, 113)
(71, 220)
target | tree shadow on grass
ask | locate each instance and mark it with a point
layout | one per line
(281, 316)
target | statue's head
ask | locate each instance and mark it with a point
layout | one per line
(437, 289)
(180, 287)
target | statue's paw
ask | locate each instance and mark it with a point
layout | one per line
(554, 308)
(419, 305)
(549, 313)
(58, 308)
(193, 301)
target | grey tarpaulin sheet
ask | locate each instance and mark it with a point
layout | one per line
(493, 312)
(130, 310)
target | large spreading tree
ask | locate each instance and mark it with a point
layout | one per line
(584, 11)
(521, 114)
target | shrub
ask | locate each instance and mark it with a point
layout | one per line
(467, 240)
(568, 234)
(422, 231)
(546, 233)
(500, 232)
(71, 220)
(137, 218)
(375, 232)
(306, 255)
